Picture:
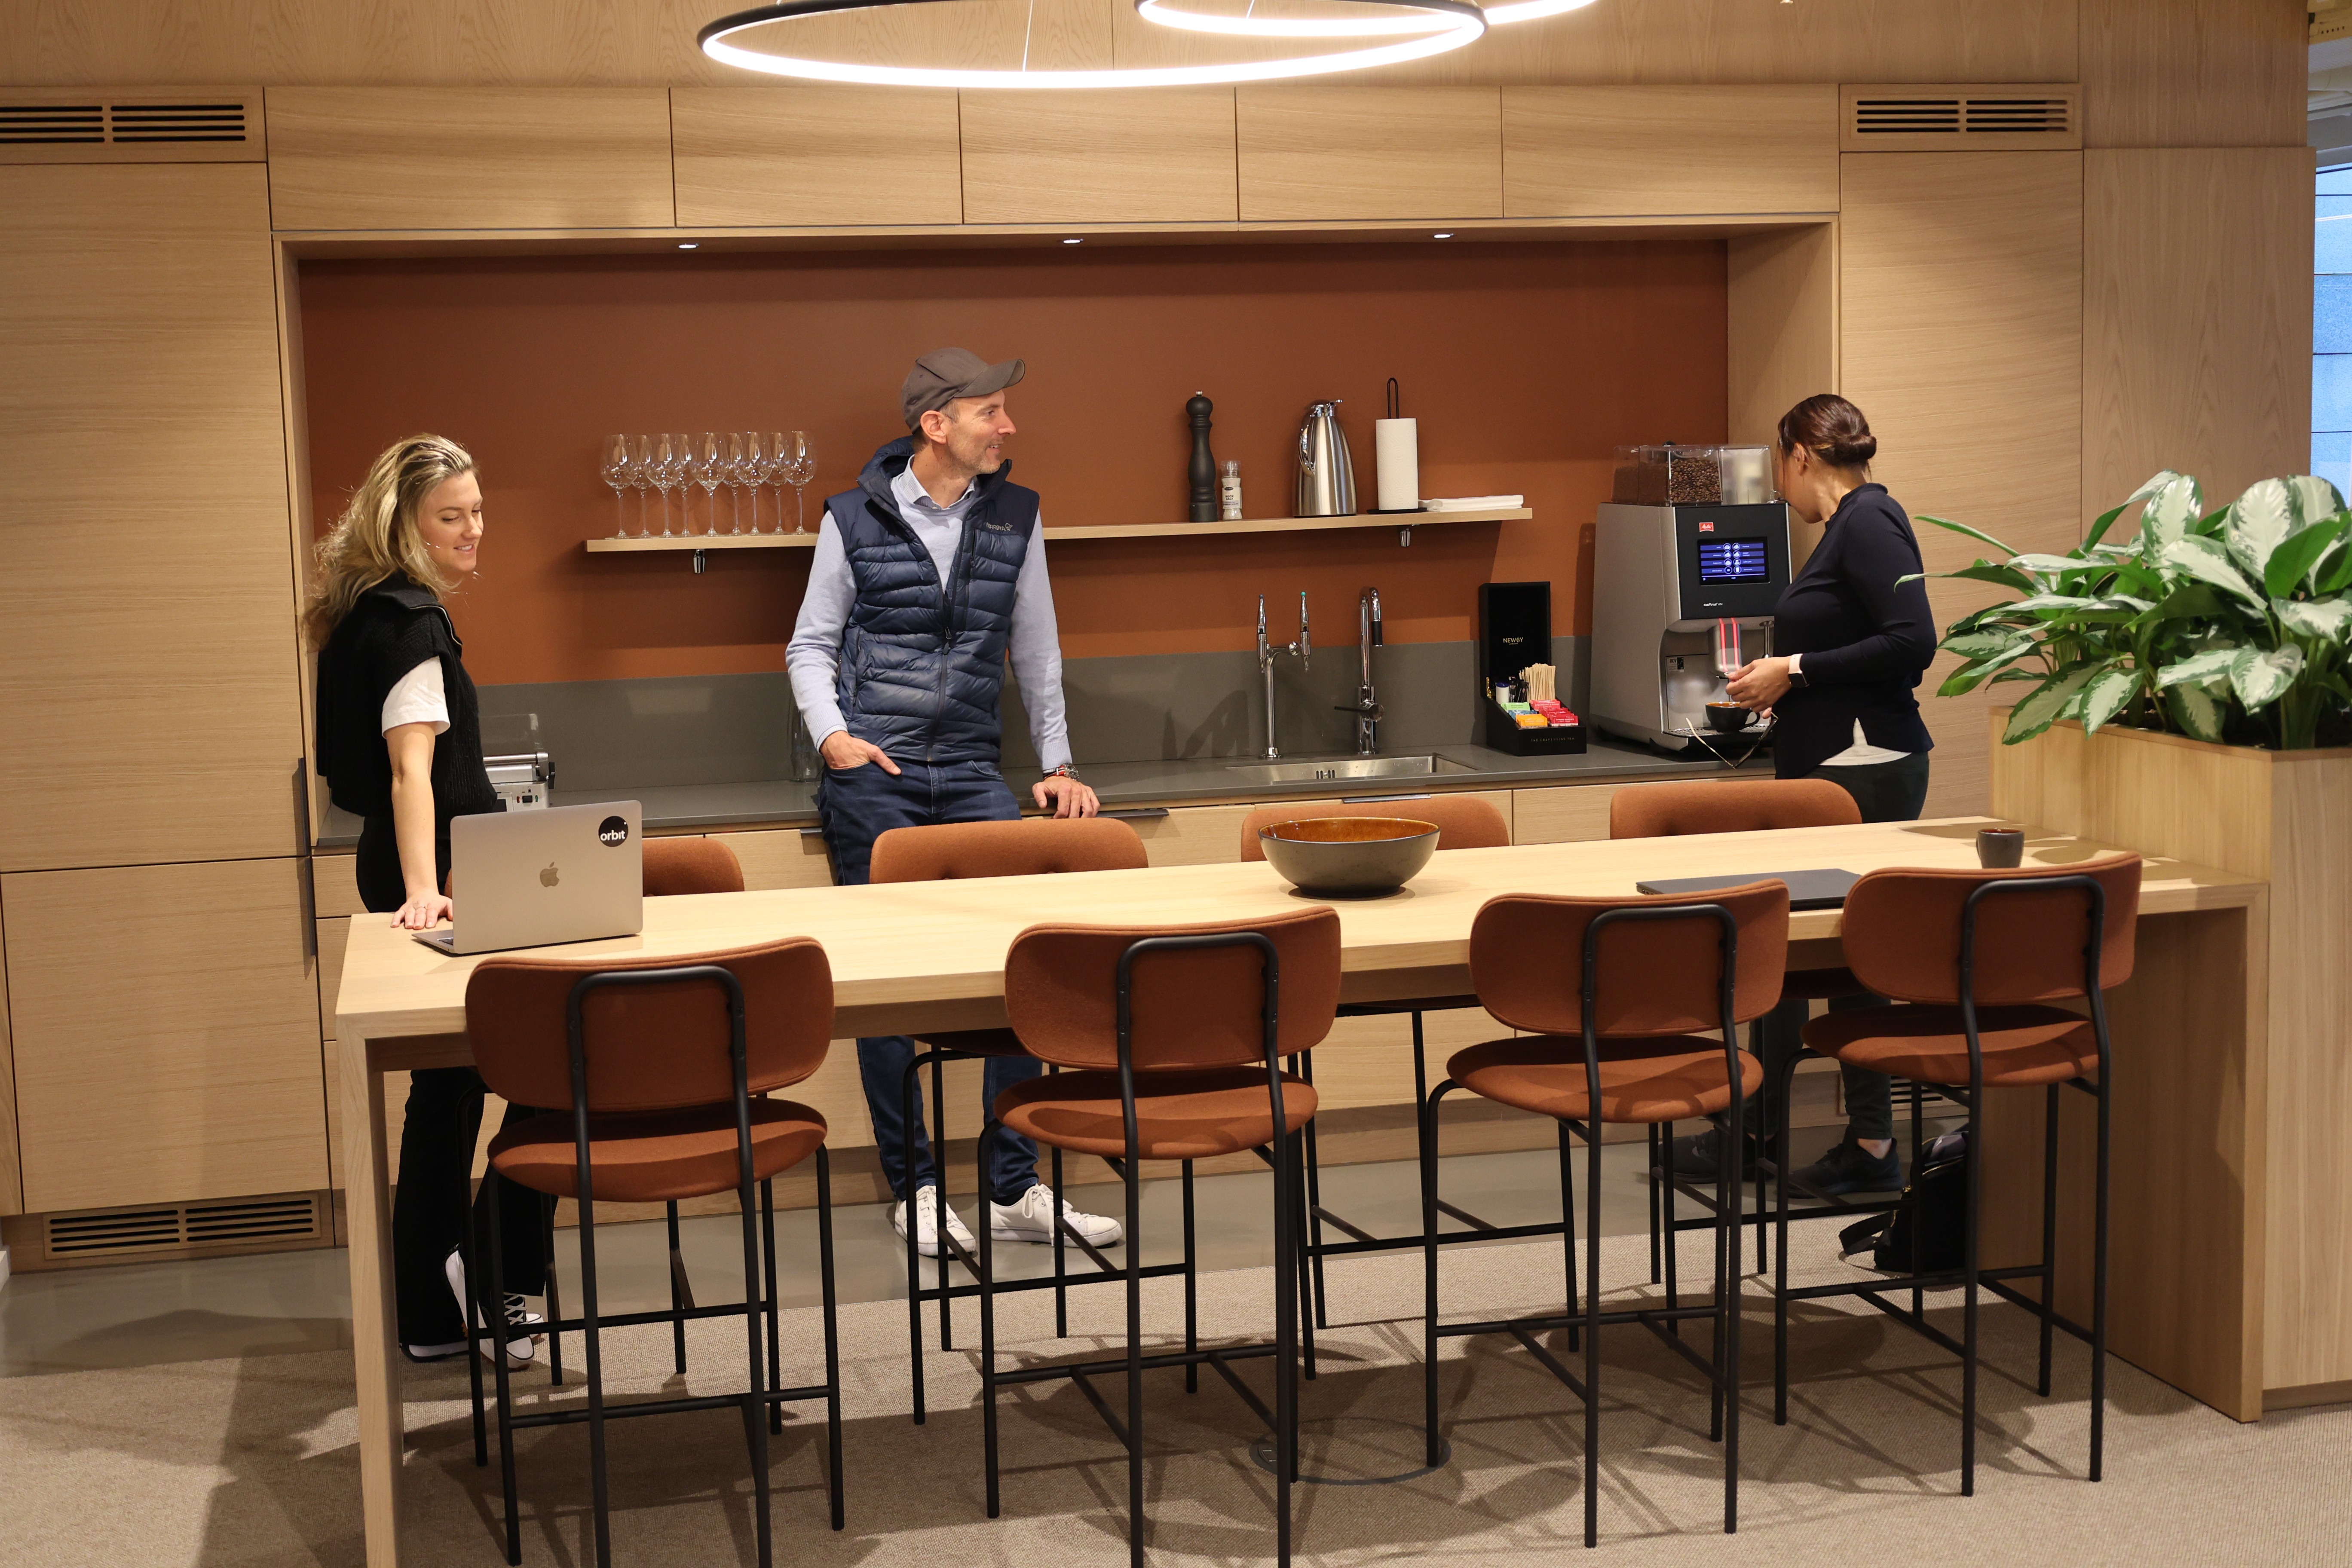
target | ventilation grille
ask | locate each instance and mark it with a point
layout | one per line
(233, 1224)
(70, 126)
(1915, 119)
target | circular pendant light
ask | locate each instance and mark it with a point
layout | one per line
(1368, 27)
(1449, 24)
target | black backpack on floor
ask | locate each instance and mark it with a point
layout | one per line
(1935, 1201)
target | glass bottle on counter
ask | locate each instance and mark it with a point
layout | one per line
(1229, 491)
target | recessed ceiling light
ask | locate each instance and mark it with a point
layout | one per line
(687, 246)
(1074, 242)
(1447, 235)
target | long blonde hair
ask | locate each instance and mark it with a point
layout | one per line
(376, 537)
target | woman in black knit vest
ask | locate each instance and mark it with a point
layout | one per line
(400, 745)
(1854, 639)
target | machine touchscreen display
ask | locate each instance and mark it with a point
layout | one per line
(1733, 561)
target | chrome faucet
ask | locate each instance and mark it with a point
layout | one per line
(1266, 657)
(1366, 708)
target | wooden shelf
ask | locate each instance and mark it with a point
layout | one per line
(1112, 531)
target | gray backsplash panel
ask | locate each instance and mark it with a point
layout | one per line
(734, 729)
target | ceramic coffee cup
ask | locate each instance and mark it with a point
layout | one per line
(2000, 847)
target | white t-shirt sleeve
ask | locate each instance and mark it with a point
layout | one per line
(418, 698)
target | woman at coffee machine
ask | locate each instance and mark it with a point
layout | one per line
(1853, 639)
(400, 746)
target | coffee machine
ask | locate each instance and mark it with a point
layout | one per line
(1681, 595)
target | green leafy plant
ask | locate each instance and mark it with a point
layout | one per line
(2230, 626)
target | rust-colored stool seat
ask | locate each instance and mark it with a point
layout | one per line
(657, 1156)
(1180, 1114)
(1673, 1078)
(2024, 1047)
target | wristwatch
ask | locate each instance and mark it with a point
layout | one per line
(1796, 670)
(1065, 772)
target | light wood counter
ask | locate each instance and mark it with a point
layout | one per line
(929, 955)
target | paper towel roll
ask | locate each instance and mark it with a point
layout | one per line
(1396, 453)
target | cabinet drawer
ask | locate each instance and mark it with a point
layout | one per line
(785, 858)
(1567, 815)
(335, 885)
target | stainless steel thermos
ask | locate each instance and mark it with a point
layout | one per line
(1326, 475)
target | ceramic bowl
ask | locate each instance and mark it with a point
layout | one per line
(1349, 856)
(1729, 717)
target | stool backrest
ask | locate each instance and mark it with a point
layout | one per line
(1464, 822)
(675, 866)
(656, 1045)
(1189, 1007)
(1902, 931)
(1741, 806)
(1656, 975)
(1029, 847)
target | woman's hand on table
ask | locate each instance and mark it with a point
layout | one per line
(1760, 683)
(1065, 796)
(423, 913)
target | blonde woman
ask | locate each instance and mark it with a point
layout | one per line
(400, 745)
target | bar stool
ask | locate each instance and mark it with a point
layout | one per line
(1029, 847)
(654, 1070)
(1464, 822)
(1629, 1043)
(1978, 1009)
(1745, 805)
(1174, 1037)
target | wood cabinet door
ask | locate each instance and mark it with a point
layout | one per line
(1085, 156)
(815, 153)
(462, 157)
(1606, 151)
(166, 1023)
(1960, 284)
(149, 705)
(1324, 154)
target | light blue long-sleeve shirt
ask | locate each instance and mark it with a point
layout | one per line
(813, 658)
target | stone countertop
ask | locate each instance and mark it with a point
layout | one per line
(784, 803)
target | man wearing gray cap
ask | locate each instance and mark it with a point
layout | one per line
(924, 579)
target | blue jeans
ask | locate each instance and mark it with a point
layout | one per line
(855, 807)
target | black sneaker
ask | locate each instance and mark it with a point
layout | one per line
(1697, 1157)
(1849, 1168)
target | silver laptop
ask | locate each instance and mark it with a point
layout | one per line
(532, 878)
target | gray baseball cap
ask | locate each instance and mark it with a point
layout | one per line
(942, 376)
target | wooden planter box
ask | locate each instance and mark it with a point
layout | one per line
(2268, 1164)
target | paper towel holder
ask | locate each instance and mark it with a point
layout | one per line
(1405, 535)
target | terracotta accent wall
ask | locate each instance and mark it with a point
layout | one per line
(1525, 364)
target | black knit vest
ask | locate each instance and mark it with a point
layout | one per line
(395, 626)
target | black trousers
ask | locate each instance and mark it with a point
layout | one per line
(431, 1203)
(1886, 792)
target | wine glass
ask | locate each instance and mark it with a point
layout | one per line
(664, 471)
(735, 474)
(615, 472)
(641, 478)
(709, 471)
(771, 469)
(754, 471)
(798, 468)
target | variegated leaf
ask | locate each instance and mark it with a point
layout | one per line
(2105, 695)
(2212, 665)
(2330, 619)
(2260, 676)
(2208, 563)
(2314, 498)
(2259, 522)
(2197, 709)
(1985, 644)
(2172, 506)
(2051, 563)
(2041, 708)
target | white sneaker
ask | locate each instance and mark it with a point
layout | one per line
(1032, 1219)
(523, 1324)
(927, 1223)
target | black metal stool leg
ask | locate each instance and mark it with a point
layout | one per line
(940, 1164)
(474, 1339)
(2049, 1232)
(1662, 1150)
(1287, 1237)
(1975, 1164)
(599, 1492)
(1781, 1252)
(775, 1338)
(1134, 1361)
(1425, 1114)
(755, 1366)
(498, 1365)
(1592, 1331)
(909, 1089)
(2099, 1282)
(832, 1330)
(677, 1293)
(1061, 1270)
(1672, 1238)
(1316, 1300)
(987, 1336)
(1568, 1228)
(1191, 1291)
(555, 1310)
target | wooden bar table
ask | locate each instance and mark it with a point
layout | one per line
(921, 956)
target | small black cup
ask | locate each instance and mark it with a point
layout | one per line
(1999, 848)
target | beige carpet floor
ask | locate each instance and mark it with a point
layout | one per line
(252, 1461)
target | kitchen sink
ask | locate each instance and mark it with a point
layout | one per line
(1339, 770)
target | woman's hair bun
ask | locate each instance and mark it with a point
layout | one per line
(1832, 429)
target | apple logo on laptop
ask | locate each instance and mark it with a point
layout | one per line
(549, 878)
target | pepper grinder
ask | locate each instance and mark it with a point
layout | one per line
(1203, 470)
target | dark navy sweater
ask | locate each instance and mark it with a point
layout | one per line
(1865, 641)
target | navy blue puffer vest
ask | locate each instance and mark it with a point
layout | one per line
(922, 662)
